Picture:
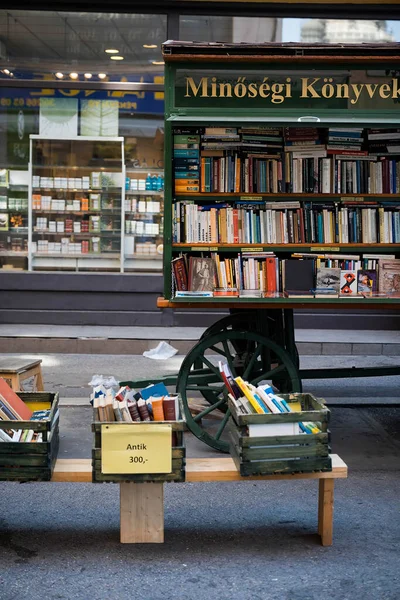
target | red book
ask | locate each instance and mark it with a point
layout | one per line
(271, 274)
(235, 226)
(13, 402)
(179, 267)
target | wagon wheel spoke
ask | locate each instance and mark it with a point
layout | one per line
(223, 424)
(211, 366)
(270, 374)
(217, 351)
(252, 361)
(229, 357)
(207, 410)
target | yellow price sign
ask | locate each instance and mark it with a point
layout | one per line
(136, 448)
(325, 249)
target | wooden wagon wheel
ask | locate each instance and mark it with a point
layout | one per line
(252, 364)
(242, 321)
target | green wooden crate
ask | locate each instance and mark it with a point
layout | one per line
(178, 457)
(32, 461)
(281, 453)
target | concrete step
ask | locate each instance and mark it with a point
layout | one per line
(62, 339)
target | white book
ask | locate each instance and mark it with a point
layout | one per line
(273, 429)
(264, 396)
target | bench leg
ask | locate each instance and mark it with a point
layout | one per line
(325, 511)
(142, 513)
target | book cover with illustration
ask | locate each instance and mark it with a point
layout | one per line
(201, 274)
(328, 278)
(367, 281)
(389, 276)
(348, 283)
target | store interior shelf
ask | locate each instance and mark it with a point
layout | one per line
(144, 192)
(82, 255)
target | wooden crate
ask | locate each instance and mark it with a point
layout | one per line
(282, 453)
(178, 456)
(32, 461)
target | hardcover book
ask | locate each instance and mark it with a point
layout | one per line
(13, 403)
(201, 274)
(389, 275)
(367, 281)
(348, 283)
(328, 279)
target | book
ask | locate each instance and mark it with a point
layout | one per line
(299, 276)
(10, 400)
(328, 279)
(367, 281)
(389, 276)
(202, 274)
(348, 283)
(180, 273)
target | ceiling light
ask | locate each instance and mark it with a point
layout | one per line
(157, 62)
(101, 75)
(117, 57)
(11, 74)
(74, 75)
(6, 71)
(111, 51)
(149, 45)
(88, 75)
(59, 75)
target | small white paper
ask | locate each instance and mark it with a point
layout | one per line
(162, 352)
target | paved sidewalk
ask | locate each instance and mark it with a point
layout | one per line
(135, 340)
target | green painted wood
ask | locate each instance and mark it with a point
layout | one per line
(24, 448)
(283, 452)
(26, 474)
(23, 460)
(302, 465)
(244, 441)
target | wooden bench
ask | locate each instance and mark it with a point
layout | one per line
(17, 370)
(142, 504)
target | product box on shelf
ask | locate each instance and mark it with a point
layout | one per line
(268, 443)
(31, 461)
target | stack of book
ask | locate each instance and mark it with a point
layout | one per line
(186, 160)
(249, 399)
(126, 404)
(13, 409)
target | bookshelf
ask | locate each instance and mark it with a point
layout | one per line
(277, 152)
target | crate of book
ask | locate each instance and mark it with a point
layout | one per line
(138, 436)
(29, 434)
(282, 434)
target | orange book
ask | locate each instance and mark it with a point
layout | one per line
(203, 175)
(271, 274)
(13, 403)
(158, 410)
(237, 178)
(213, 223)
(185, 182)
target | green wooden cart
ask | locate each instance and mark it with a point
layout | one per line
(257, 338)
